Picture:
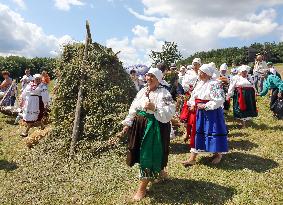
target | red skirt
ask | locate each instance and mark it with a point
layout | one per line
(191, 126)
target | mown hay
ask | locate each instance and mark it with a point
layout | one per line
(108, 92)
(34, 138)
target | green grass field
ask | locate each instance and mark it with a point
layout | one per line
(251, 173)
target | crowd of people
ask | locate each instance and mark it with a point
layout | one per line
(33, 100)
(198, 95)
(204, 93)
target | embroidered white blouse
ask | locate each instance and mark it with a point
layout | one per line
(165, 107)
(40, 90)
(239, 81)
(189, 80)
(210, 90)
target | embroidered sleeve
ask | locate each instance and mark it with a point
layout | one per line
(232, 87)
(165, 108)
(216, 97)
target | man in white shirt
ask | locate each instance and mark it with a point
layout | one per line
(260, 66)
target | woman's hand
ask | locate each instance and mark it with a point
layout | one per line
(192, 107)
(125, 129)
(227, 98)
(280, 95)
(115, 140)
(201, 106)
(150, 106)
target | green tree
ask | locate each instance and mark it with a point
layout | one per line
(169, 54)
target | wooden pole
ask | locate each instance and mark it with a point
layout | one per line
(76, 128)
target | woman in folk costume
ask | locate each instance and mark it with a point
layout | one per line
(275, 84)
(216, 73)
(188, 116)
(224, 79)
(243, 91)
(211, 131)
(6, 90)
(35, 100)
(148, 127)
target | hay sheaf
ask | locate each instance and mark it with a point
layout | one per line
(108, 92)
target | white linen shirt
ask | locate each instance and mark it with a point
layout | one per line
(238, 81)
(189, 80)
(210, 90)
(165, 107)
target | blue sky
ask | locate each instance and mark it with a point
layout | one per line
(134, 27)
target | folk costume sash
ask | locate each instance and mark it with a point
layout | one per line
(151, 150)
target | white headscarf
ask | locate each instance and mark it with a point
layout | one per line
(223, 67)
(212, 64)
(207, 69)
(157, 73)
(197, 60)
(37, 76)
(243, 68)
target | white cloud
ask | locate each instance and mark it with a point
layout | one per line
(196, 27)
(128, 54)
(20, 3)
(143, 41)
(142, 17)
(19, 37)
(255, 26)
(136, 50)
(65, 5)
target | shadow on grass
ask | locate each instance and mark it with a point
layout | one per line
(244, 145)
(265, 127)
(185, 191)
(237, 134)
(229, 118)
(237, 126)
(179, 148)
(239, 161)
(10, 121)
(7, 166)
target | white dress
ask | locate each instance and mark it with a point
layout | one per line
(31, 98)
(165, 107)
(189, 81)
(210, 90)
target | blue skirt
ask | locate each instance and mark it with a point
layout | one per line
(211, 131)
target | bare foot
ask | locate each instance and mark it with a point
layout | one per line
(188, 163)
(139, 195)
(23, 134)
(217, 159)
(162, 177)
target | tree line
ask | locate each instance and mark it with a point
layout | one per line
(245, 55)
(16, 65)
